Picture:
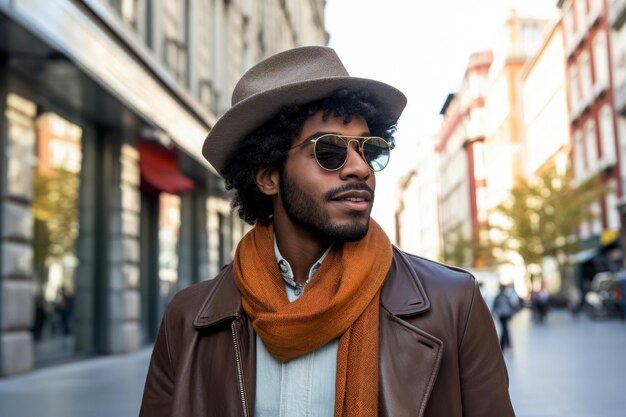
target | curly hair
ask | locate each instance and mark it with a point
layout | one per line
(268, 146)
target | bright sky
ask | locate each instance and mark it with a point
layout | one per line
(421, 48)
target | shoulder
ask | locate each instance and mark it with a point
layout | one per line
(188, 301)
(436, 276)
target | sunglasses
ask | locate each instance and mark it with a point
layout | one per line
(331, 150)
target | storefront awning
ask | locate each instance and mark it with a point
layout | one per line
(159, 168)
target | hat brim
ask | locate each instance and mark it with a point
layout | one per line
(251, 113)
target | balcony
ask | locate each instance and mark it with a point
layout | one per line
(617, 13)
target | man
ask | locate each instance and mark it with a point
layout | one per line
(318, 315)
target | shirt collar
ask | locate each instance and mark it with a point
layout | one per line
(285, 269)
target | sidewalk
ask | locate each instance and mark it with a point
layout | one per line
(109, 386)
(566, 367)
(563, 368)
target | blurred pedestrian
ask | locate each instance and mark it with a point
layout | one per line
(65, 308)
(503, 309)
(573, 300)
(40, 317)
(539, 301)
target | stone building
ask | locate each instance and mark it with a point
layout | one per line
(108, 207)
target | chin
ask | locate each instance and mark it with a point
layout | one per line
(349, 233)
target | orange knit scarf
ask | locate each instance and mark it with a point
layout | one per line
(342, 301)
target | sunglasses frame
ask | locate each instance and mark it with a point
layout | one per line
(360, 141)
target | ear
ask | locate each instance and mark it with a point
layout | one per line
(267, 179)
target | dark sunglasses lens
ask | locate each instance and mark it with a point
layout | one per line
(330, 152)
(376, 153)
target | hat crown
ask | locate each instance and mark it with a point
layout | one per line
(289, 67)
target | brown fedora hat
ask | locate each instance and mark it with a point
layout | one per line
(296, 76)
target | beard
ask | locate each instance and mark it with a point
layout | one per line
(308, 213)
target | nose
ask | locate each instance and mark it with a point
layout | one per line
(355, 166)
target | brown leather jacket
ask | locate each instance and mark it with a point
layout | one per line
(439, 354)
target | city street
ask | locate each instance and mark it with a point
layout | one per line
(562, 368)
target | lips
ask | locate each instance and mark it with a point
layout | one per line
(353, 196)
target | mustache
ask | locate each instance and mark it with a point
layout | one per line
(330, 194)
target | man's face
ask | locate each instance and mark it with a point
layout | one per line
(330, 205)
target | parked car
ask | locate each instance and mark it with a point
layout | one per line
(604, 296)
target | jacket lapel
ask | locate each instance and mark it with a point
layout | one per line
(409, 357)
(223, 305)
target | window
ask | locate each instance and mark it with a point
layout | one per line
(612, 211)
(581, 16)
(601, 62)
(175, 33)
(595, 9)
(568, 26)
(596, 222)
(579, 156)
(169, 232)
(575, 99)
(591, 146)
(56, 228)
(607, 136)
(585, 78)
(128, 11)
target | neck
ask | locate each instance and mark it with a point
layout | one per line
(301, 251)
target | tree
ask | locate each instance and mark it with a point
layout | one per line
(542, 215)
(457, 252)
(463, 252)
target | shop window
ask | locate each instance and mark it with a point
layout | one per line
(55, 212)
(169, 231)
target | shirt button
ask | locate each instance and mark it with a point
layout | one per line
(298, 291)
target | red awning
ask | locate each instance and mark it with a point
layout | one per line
(159, 169)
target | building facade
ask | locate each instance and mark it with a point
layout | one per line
(108, 208)
(416, 217)
(594, 127)
(546, 141)
(519, 40)
(545, 117)
(617, 20)
(460, 151)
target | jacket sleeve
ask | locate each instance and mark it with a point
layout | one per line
(159, 389)
(484, 378)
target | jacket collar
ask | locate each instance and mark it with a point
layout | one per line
(223, 301)
(403, 294)
(402, 297)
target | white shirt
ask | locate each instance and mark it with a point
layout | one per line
(304, 386)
